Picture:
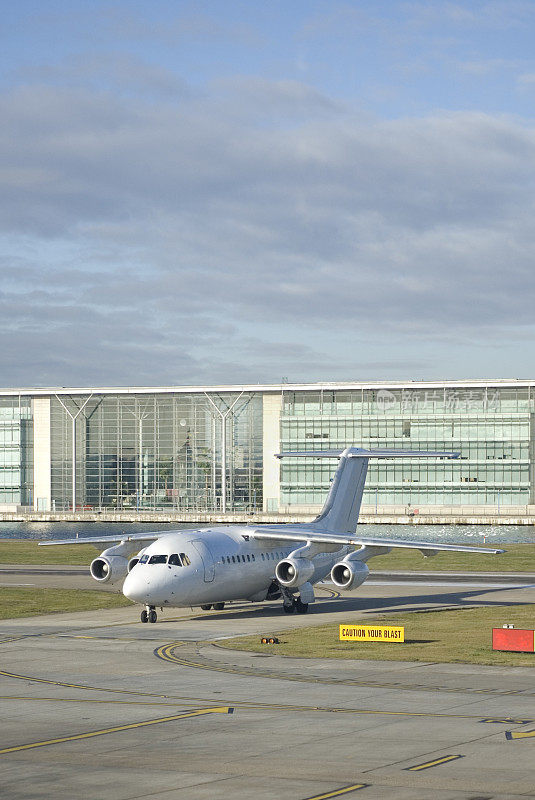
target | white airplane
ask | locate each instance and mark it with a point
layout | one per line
(212, 566)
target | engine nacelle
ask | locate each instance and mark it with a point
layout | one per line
(293, 572)
(349, 574)
(109, 569)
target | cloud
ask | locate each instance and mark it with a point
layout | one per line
(173, 239)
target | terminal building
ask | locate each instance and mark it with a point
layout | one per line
(212, 448)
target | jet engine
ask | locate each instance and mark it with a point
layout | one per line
(293, 572)
(109, 569)
(135, 560)
(349, 574)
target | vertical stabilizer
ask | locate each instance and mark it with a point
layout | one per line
(341, 510)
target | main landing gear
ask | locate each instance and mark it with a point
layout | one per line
(149, 614)
(216, 607)
(291, 603)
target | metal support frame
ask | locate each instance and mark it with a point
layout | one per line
(73, 417)
(223, 415)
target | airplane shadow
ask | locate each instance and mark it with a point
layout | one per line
(428, 602)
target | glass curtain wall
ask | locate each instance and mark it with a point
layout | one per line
(16, 450)
(492, 428)
(157, 451)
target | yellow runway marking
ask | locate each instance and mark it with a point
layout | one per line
(436, 763)
(246, 705)
(80, 685)
(519, 734)
(166, 653)
(117, 729)
(107, 701)
(339, 792)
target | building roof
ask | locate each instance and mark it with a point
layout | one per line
(479, 383)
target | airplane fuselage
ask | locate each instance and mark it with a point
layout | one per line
(193, 567)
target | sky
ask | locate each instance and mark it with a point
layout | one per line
(219, 192)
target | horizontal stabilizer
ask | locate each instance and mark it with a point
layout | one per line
(357, 452)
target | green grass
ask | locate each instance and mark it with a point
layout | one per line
(21, 602)
(463, 635)
(24, 551)
(518, 558)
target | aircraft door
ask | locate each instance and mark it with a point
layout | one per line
(206, 558)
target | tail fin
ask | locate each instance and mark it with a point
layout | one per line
(341, 510)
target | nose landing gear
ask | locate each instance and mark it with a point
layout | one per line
(149, 614)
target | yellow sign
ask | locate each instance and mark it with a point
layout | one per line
(371, 633)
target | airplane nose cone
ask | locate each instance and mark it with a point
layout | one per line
(136, 588)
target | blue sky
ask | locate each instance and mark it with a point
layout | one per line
(206, 192)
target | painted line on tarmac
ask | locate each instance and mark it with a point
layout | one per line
(245, 705)
(166, 653)
(17, 584)
(519, 734)
(114, 702)
(117, 729)
(339, 792)
(436, 763)
(80, 685)
(169, 698)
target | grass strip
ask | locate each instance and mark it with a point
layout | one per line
(462, 636)
(25, 602)
(517, 558)
(24, 551)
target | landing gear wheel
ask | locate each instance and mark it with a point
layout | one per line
(144, 616)
(219, 606)
(288, 609)
(153, 616)
(300, 607)
(207, 607)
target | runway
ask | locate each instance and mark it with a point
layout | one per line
(100, 706)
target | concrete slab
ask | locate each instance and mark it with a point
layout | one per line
(95, 713)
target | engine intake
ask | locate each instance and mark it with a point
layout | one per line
(348, 575)
(292, 572)
(109, 569)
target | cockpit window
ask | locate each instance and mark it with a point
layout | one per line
(185, 559)
(143, 559)
(157, 559)
(174, 558)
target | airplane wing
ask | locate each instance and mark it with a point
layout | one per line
(122, 537)
(272, 534)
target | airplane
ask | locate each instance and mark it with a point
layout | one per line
(214, 566)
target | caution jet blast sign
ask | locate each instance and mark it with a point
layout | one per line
(371, 633)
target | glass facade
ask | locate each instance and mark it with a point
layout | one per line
(491, 427)
(156, 451)
(16, 450)
(165, 449)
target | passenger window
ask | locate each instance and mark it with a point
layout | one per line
(185, 560)
(157, 559)
(252, 557)
(174, 559)
(262, 556)
(233, 560)
(248, 557)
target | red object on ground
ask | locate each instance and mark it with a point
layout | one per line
(513, 639)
